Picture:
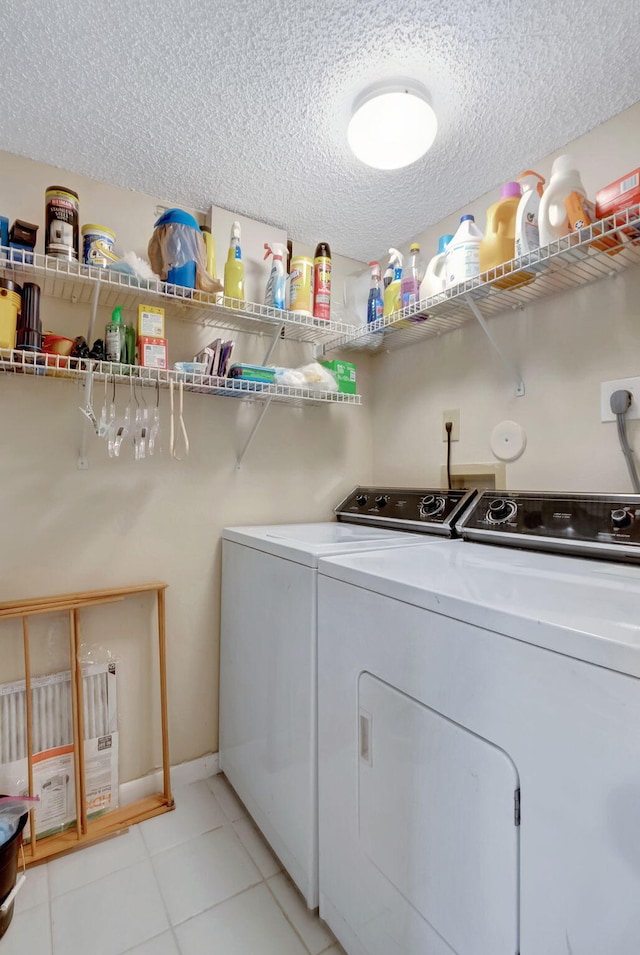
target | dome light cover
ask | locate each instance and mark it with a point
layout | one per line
(393, 124)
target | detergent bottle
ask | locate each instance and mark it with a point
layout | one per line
(463, 252)
(435, 276)
(527, 232)
(410, 290)
(275, 292)
(375, 305)
(234, 267)
(553, 220)
(499, 242)
(392, 301)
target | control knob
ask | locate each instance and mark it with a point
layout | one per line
(500, 511)
(430, 505)
(382, 500)
(621, 517)
(361, 499)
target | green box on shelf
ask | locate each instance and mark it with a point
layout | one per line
(345, 374)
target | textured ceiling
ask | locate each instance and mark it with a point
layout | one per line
(245, 103)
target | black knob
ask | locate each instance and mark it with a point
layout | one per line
(500, 510)
(381, 501)
(361, 499)
(620, 517)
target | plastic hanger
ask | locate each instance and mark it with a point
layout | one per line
(174, 433)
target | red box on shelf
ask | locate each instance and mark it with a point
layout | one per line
(619, 196)
(152, 352)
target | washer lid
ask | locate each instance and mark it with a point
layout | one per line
(306, 543)
(582, 608)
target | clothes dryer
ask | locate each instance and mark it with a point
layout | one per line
(479, 753)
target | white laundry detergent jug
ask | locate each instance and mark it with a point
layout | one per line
(553, 221)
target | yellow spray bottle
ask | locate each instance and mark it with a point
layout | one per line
(234, 267)
(393, 291)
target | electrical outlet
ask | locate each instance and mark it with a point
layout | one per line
(607, 388)
(454, 417)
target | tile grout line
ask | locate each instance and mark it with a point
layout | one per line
(275, 898)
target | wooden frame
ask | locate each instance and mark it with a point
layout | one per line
(89, 830)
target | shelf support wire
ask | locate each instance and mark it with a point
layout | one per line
(274, 341)
(253, 433)
(94, 313)
(508, 364)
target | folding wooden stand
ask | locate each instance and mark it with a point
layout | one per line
(89, 830)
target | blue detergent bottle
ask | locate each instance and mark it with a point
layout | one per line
(375, 302)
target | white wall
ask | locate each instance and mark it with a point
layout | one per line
(565, 346)
(122, 522)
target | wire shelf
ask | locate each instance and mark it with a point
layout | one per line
(571, 262)
(75, 282)
(13, 361)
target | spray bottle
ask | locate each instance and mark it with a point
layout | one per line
(274, 295)
(411, 278)
(322, 282)
(393, 291)
(234, 267)
(375, 305)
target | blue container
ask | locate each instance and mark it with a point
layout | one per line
(185, 273)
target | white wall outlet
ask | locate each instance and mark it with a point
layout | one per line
(607, 388)
(454, 417)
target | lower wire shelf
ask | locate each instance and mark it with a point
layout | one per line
(13, 361)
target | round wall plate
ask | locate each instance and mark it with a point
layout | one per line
(508, 440)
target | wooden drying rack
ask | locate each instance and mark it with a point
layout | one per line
(89, 830)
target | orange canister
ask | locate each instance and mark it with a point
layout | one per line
(10, 299)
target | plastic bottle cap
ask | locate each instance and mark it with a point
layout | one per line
(510, 189)
(443, 242)
(116, 315)
(414, 248)
(372, 264)
(467, 219)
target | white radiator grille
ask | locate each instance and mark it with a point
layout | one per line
(51, 712)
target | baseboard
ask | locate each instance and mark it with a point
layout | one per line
(181, 775)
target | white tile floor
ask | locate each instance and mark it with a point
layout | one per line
(194, 881)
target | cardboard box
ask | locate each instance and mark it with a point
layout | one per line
(152, 352)
(150, 321)
(344, 373)
(619, 196)
(582, 213)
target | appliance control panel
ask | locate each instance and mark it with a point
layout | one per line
(598, 525)
(425, 510)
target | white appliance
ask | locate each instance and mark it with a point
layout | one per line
(479, 735)
(268, 655)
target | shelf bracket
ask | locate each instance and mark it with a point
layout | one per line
(508, 364)
(274, 341)
(253, 433)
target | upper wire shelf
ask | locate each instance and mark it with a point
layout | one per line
(79, 369)
(75, 282)
(570, 262)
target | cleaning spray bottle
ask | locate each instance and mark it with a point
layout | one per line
(375, 305)
(234, 267)
(411, 277)
(115, 336)
(393, 292)
(274, 295)
(527, 232)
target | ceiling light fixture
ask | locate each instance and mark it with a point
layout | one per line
(393, 124)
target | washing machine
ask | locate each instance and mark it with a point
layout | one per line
(479, 735)
(268, 655)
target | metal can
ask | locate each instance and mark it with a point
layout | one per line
(62, 222)
(301, 286)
